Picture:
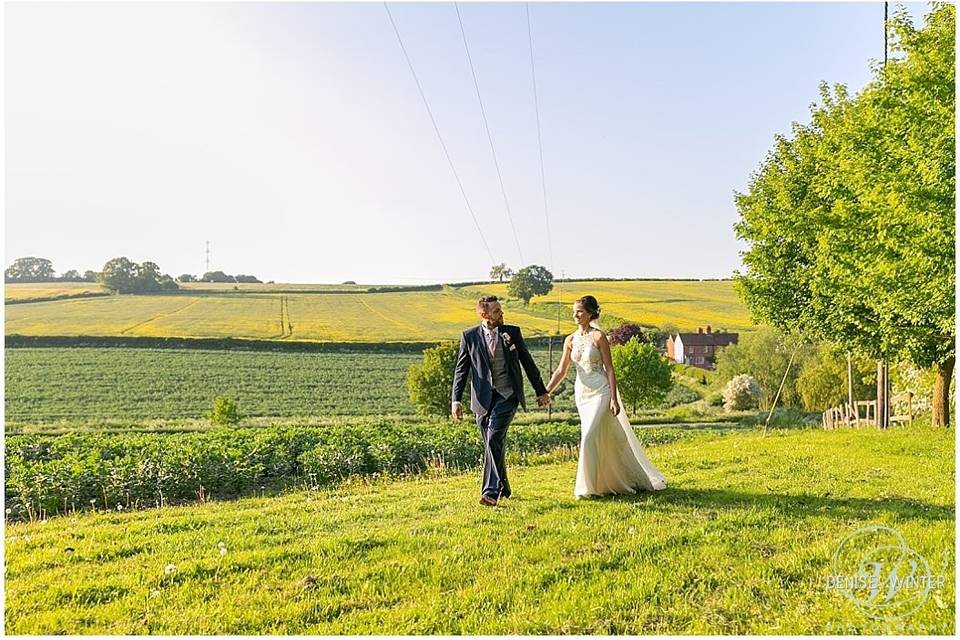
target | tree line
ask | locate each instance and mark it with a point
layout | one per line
(118, 275)
(850, 220)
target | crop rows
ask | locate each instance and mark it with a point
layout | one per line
(118, 383)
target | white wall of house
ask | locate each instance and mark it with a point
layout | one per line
(678, 350)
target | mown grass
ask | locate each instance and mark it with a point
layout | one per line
(740, 542)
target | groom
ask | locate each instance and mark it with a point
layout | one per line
(493, 352)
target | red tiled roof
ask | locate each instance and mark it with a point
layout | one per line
(709, 339)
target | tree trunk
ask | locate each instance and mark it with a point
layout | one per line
(882, 414)
(941, 394)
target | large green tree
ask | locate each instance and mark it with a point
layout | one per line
(530, 281)
(29, 269)
(850, 221)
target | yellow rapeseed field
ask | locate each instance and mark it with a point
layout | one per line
(368, 317)
(381, 317)
(28, 290)
(684, 304)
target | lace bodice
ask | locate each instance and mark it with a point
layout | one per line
(585, 354)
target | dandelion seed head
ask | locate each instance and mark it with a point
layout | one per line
(9, 511)
(170, 568)
(223, 551)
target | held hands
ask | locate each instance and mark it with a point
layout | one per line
(614, 406)
(544, 400)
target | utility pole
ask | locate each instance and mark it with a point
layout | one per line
(208, 257)
(885, 33)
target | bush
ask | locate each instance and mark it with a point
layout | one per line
(680, 394)
(623, 333)
(741, 393)
(714, 399)
(429, 384)
(224, 411)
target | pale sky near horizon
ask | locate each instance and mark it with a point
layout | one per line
(293, 138)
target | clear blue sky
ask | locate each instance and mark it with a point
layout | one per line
(293, 138)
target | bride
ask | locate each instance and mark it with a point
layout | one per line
(612, 460)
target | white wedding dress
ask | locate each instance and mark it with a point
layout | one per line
(612, 460)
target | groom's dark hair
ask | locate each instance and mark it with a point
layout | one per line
(485, 300)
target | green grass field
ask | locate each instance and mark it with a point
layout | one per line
(740, 542)
(254, 311)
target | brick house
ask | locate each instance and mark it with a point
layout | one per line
(697, 349)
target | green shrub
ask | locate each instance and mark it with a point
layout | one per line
(680, 394)
(429, 383)
(224, 411)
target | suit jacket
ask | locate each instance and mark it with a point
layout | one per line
(475, 356)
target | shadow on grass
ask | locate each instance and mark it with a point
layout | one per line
(788, 505)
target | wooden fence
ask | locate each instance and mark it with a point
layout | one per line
(864, 413)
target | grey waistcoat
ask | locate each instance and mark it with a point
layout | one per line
(498, 368)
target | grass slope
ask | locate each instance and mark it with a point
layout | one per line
(740, 542)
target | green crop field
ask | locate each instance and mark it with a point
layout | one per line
(255, 312)
(104, 383)
(741, 542)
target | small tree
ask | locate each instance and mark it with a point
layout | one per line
(500, 271)
(90, 275)
(530, 281)
(71, 276)
(430, 382)
(186, 277)
(224, 411)
(741, 393)
(623, 334)
(643, 377)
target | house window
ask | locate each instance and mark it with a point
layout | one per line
(699, 359)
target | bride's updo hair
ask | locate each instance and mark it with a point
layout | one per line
(590, 305)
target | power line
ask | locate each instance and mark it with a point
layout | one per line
(536, 105)
(439, 137)
(486, 126)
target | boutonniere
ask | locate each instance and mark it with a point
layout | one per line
(506, 341)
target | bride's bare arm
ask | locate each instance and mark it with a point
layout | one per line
(604, 345)
(561, 371)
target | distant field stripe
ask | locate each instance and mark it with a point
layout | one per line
(161, 315)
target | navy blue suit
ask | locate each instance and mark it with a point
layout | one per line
(494, 412)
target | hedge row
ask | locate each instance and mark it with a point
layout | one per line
(49, 475)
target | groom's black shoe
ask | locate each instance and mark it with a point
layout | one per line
(488, 502)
